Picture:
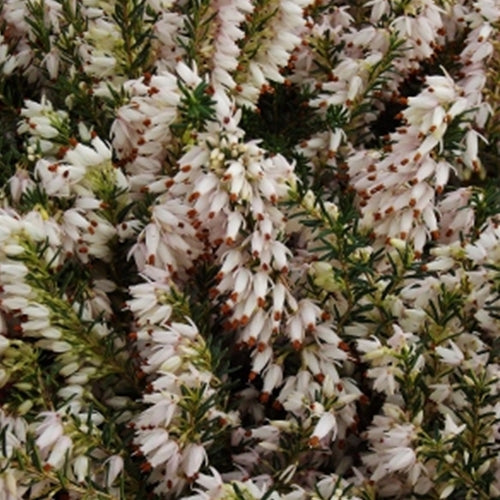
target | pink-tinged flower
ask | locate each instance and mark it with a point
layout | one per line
(49, 431)
(396, 459)
(221, 42)
(420, 25)
(272, 50)
(141, 131)
(486, 249)
(19, 184)
(456, 215)
(392, 439)
(398, 193)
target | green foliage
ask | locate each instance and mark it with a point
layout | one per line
(198, 18)
(135, 20)
(486, 204)
(282, 120)
(12, 90)
(196, 108)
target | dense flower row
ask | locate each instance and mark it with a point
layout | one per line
(249, 250)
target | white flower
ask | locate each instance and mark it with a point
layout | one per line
(451, 429)
(193, 457)
(451, 355)
(114, 466)
(49, 431)
(327, 423)
(81, 468)
(58, 454)
(396, 459)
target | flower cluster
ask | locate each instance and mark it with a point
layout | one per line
(249, 249)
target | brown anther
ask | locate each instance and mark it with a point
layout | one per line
(344, 346)
(277, 405)
(194, 196)
(261, 346)
(226, 309)
(363, 399)
(314, 442)
(62, 151)
(264, 397)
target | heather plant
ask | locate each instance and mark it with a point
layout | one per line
(249, 249)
